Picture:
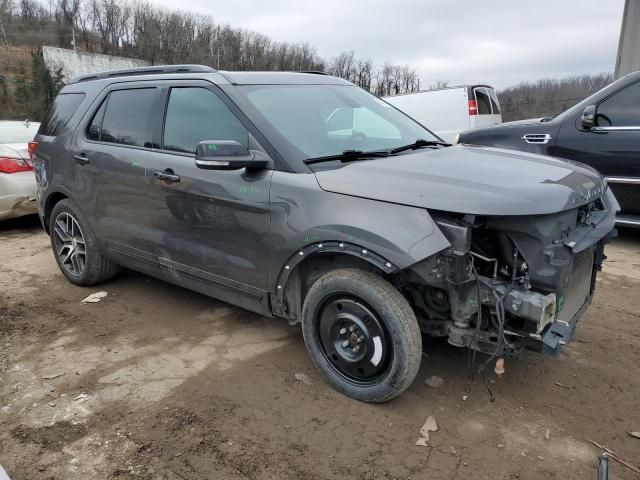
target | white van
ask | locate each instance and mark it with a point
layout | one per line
(451, 110)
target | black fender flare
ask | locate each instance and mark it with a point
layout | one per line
(320, 248)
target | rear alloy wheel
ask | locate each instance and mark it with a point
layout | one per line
(69, 243)
(362, 334)
(75, 247)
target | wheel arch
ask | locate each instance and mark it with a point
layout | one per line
(50, 202)
(309, 263)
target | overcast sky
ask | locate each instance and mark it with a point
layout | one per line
(500, 42)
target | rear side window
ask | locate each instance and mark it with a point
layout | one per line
(126, 118)
(61, 110)
(483, 101)
(195, 114)
(622, 109)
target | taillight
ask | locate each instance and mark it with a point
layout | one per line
(13, 165)
(473, 107)
(31, 148)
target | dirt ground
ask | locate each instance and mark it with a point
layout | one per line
(157, 382)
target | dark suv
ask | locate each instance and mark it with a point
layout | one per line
(301, 196)
(602, 131)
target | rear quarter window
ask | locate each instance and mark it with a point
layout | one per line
(60, 112)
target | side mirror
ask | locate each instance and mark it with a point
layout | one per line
(226, 155)
(589, 117)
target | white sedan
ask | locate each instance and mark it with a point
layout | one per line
(17, 182)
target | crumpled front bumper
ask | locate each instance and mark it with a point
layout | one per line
(17, 195)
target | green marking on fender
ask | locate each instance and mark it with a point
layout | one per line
(312, 238)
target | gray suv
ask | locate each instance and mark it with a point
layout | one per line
(299, 195)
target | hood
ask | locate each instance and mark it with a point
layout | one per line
(466, 179)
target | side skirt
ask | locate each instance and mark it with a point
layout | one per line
(201, 281)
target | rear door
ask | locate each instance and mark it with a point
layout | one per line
(612, 147)
(210, 226)
(109, 152)
(487, 110)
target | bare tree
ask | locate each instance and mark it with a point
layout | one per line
(547, 97)
(140, 30)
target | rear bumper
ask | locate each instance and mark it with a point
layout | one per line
(17, 195)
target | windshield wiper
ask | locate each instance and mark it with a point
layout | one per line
(420, 143)
(347, 156)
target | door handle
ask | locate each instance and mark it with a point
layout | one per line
(80, 159)
(167, 176)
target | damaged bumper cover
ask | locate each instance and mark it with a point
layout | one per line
(17, 195)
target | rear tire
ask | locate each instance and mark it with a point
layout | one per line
(75, 247)
(362, 335)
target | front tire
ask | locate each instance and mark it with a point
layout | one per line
(75, 247)
(362, 335)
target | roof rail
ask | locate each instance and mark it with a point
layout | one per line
(154, 70)
(314, 72)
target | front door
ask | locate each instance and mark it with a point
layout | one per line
(612, 147)
(211, 226)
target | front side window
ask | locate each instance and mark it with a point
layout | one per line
(308, 121)
(621, 109)
(195, 114)
(60, 112)
(126, 117)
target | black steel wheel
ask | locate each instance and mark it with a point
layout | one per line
(361, 334)
(353, 339)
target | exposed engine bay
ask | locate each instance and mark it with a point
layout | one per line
(509, 283)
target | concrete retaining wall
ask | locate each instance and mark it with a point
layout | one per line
(76, 64)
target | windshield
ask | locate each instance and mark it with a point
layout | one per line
(17, 132)
(309, 121)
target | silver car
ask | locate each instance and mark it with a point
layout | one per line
(17, 182)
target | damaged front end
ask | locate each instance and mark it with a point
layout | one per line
(511, 282)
